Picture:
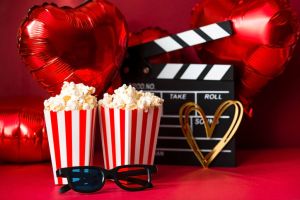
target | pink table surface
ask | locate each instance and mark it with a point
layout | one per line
(260, 174)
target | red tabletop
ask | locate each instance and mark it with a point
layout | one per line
(261, 174)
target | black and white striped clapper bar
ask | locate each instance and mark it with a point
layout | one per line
(181, 40)
(177, 83)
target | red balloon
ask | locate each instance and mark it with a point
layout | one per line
(23, 134)
(265, 33)
(85, 44)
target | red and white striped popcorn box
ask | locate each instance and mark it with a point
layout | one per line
(71, 139)
(129, 136)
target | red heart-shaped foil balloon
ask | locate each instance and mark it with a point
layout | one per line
(265, 33)
(23, 132)
(85, 44)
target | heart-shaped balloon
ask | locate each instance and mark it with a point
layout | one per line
(85, 44)
(265, 33)
(23, 133)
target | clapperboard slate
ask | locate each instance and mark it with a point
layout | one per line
(207, 85)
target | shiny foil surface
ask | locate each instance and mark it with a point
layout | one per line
(23, 136)
(85, 44)
(265, 34)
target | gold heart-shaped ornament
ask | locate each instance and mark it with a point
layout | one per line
(184, 114)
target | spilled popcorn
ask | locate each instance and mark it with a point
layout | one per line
(127, 97)
(72, 97)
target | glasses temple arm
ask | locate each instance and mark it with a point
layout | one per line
(64, 188)
(134, 180)
(133, 172)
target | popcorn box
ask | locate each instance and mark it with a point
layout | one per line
(71, 139)
(129, 136)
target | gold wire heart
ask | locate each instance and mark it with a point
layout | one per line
(189, 107)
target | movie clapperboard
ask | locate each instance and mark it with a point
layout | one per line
(178, 83)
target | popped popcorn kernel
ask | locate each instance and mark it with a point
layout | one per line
(72, 97)
(127, 97)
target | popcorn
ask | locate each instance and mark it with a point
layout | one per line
(138, 104)
(72, 97)
(127, 97)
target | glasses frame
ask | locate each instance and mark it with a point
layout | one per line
(106, 174)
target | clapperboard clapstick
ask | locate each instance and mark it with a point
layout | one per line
(184, 39)
(178, 83)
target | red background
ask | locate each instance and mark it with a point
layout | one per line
(276, 118)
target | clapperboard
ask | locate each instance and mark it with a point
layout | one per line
(178, 83)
